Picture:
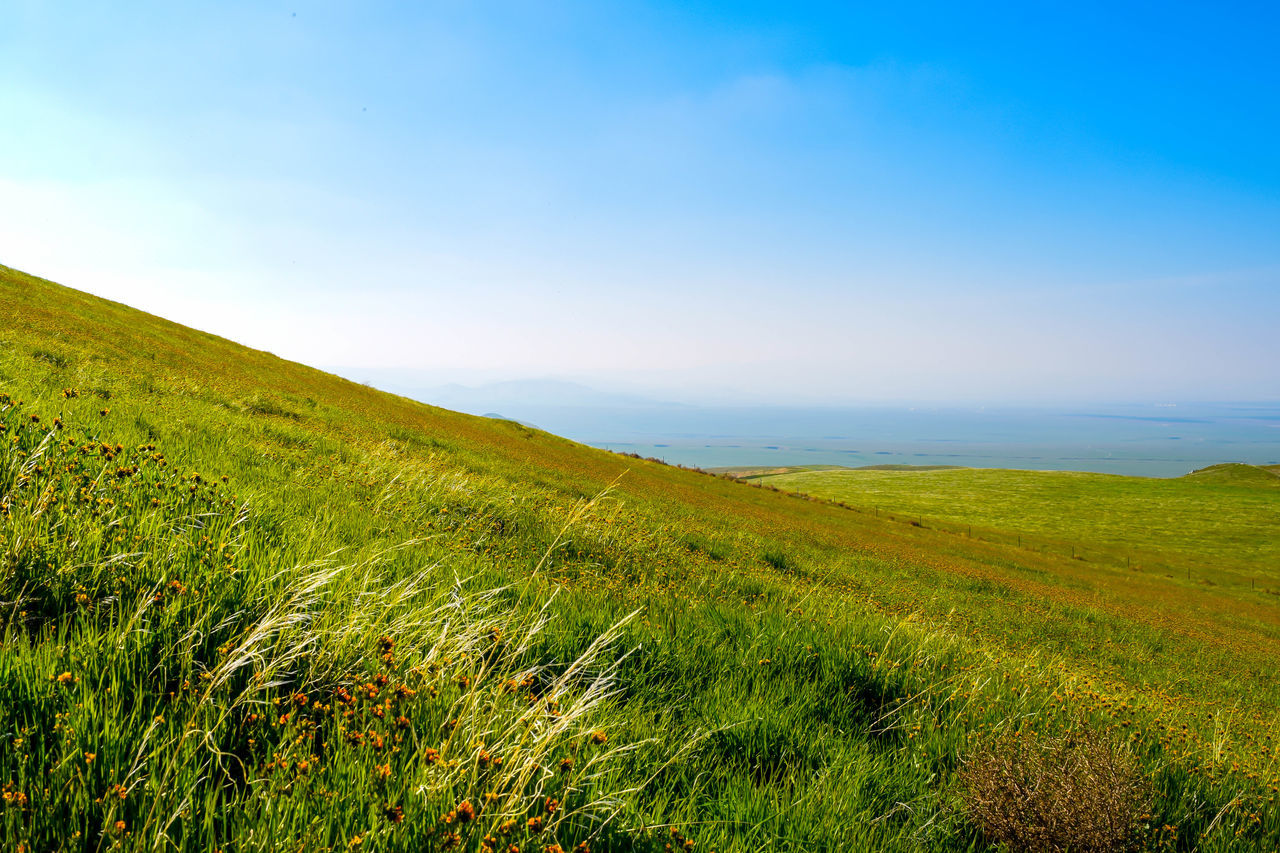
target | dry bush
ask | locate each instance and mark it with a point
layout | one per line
(1078, 791)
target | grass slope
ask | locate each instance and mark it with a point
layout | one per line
(1219, 523)
(394, 627)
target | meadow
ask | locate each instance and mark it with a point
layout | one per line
(1216, 525)
(247, 605)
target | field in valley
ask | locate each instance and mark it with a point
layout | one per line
(1215, 526)
(248, 605)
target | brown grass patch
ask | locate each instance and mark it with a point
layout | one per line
(1078, 791)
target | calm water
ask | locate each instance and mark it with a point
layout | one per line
(1156, 441)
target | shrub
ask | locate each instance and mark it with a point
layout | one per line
(1078, 791)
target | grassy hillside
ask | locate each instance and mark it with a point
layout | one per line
(1217, 525)
(247, 605)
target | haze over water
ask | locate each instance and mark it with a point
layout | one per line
(1136, 440)
(1145, 440)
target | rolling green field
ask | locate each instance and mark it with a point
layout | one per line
(1220, 524)
(247, 605)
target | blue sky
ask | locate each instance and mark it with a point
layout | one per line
(833, 202)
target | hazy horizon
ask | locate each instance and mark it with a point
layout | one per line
(1153, 439)
(652, 388)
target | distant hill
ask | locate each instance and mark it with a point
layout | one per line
(1219, 522)
(1239, 474)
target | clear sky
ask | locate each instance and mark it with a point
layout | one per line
(787, 201)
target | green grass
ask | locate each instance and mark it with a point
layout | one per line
(1219, 522)
(394, 627)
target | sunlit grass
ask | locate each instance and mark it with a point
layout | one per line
(1218, 523)
(393, 627)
